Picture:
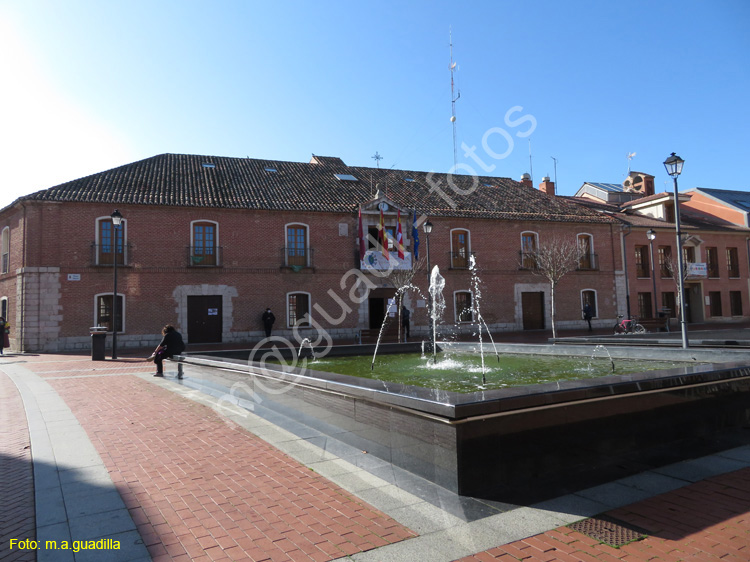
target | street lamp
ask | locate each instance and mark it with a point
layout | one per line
(116, 222)
(651, 236)
(427, 226)
(673, 164)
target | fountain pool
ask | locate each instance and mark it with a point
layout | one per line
(514, 444)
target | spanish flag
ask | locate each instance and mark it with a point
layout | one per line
(383, 236)
(400, 239)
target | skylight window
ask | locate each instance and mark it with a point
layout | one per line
(345, 177)
(271, 170)
(409, 179)
(208, 165)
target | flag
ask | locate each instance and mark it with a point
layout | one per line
(362, 246)
(383, 236)
(415, 236)
(400, 239)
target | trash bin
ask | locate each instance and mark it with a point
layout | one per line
(98, 342)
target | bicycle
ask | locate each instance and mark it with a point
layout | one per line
(628, 326)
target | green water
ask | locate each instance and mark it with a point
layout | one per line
(463, 373)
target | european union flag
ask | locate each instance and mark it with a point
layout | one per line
(415, 236)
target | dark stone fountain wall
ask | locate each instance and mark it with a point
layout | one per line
(516, 445)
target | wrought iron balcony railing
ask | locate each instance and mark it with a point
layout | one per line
(460, 259)
(297, 258)
(203, 256)
(103, 255)
(588, 262)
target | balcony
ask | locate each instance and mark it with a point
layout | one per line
(527, 260)
(460, 259)
(297, 258)
(102, 255)
(588, 262)
(202, 256)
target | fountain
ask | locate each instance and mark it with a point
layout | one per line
(512, 444)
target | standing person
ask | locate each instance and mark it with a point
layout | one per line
(405, 315)
(587, 314)
(5, 328)
(171, 345)
(268, 320)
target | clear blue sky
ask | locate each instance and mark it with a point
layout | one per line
(89, 85)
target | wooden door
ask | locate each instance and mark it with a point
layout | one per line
(204, 319)
(532, 305)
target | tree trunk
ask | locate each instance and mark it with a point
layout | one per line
(552, 309)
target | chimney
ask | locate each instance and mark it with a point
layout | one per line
(526, 180)
(547, 186)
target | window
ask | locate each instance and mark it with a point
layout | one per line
(669, 213)
(588, 297)
(645, 308)
(668, 301)
(733, 263)
(464, 310)
(586, 247)
(298, 309)
(688, 254)
(373, 237)
(735, 302)
(665, 261)
(297, 250)
(641, 261)
(460, 249)
(4, 308)
(104, 311)
(528, 250)
(714, 297)
(712, 262)
(204, 250)
(111, 242)
(5, 251)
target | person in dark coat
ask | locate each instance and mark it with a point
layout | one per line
(171, 344)
(268, 319)
(587, 314)
(405, 316)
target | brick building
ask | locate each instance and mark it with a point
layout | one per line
(207, 243)
(717, 282)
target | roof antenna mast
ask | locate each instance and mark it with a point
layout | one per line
(630, 156)
(454, 97)
(531, 166)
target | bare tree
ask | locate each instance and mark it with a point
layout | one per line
(674, 271)
(553, 259)
(400, 278)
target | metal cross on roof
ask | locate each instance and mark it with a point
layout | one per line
(377, 159)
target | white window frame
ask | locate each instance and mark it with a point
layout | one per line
(536, 242)
(123, 226)
(121, 312)
(455, 307)
(468, 244)
(596, 301)
(307, 243)
(216, 238)
(309, 307)
(5, 250)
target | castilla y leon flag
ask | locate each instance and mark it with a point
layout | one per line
(415, 237)
(383, 236)
(400, 239)
(361, 235)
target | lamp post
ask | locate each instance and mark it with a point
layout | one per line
(427, 226)
(116, 221)
(673, 164)
(651, 236)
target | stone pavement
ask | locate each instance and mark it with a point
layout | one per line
(173, 474)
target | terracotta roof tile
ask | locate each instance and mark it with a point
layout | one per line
(245, 183)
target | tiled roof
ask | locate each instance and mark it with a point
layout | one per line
(739, 199)
(244, 183)
(689, 219)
